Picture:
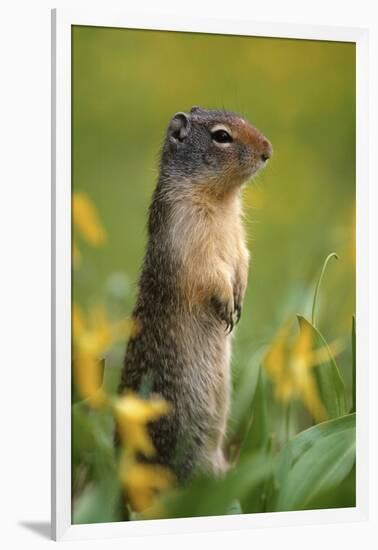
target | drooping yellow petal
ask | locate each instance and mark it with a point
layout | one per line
(303, 344)
(87, 373)
(290, 363)
(86, 220)
(78, 322)
(321, 355)
(284, 389)
(143, 482)
(92, 337)
(132, 415)
(94, 334)
(275, 358)
(310, 397)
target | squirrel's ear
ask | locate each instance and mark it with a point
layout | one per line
(179, 127)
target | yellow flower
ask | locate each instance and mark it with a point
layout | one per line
(86, 220)
(289, 364)
(275, 364)
(92, 337)
(132, 415)
(143, 482)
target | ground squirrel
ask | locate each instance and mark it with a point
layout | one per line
(192, 285)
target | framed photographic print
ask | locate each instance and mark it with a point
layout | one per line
(209, 274)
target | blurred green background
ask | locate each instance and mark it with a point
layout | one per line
(127, 84)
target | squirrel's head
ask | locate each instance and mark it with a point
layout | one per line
(213, 146)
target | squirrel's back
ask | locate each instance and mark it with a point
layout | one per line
(192, 285)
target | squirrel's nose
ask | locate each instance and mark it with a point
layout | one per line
(267, 152)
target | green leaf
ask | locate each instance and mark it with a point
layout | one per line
(306, 439)
(343, 497)
(93, 451)
(98, 503)
(257, 435)
(245, 389)
(313, 463)
(330, 384)
(246, 408)
(207, 496)
(92, 442)
(256, 500)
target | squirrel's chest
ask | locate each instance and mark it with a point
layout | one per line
(208, 243)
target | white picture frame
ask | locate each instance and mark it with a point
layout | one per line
(62, 21)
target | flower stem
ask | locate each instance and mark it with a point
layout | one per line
(332, 255)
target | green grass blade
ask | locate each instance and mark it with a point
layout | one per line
(318, 284)
(329, 381)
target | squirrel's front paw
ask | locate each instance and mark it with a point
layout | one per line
(225, 310)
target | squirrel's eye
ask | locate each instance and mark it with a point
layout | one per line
(221, 136)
